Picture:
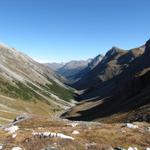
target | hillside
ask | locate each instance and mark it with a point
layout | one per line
(28, 86)
(112, 64)
(117, 89)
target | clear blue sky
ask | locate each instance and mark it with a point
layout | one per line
(63, 30)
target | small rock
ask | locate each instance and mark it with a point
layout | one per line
(73, 124)
(21, 117)
(89, 145)
(12, 129)
(148, 129)
(132, 148)
(75, 132)
(1, 146)
(148, 148)
(14, 136)
(16, 148)
(132, 126)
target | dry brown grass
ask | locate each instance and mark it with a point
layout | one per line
(104, 135)
(10, 108)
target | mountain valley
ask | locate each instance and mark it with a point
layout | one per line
(96, 104)
(117, 89)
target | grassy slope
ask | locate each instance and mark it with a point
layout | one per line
(63, 93)
(10, 108)
(17, 98)
(17, 90)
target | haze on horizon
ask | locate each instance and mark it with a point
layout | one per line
(64, 30)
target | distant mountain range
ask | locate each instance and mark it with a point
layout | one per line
(72, 71)
(68, 70)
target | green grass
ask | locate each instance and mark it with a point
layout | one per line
(18, 90)
(42, 91)
(61, 92)
(58, 90)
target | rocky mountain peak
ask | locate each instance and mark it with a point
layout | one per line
(96, 61)
(147, 50)
(114, 51)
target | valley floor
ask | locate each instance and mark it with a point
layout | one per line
(39, 133)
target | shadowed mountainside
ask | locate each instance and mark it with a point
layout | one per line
(117, 89)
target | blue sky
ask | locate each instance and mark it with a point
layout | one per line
(63, 30)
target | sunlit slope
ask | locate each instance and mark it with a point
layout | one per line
(29, 84)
